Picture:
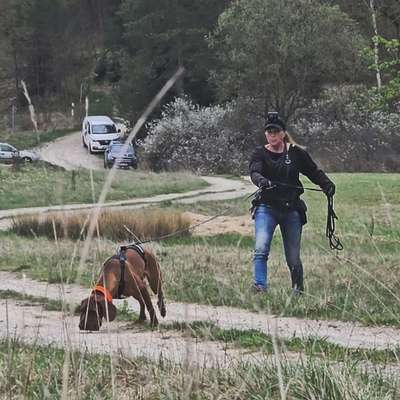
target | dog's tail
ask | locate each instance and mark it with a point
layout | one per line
(153, 272)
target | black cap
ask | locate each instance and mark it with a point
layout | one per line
(273, 121)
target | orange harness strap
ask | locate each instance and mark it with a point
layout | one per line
(104, 291)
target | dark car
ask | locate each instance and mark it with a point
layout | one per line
(123, 154)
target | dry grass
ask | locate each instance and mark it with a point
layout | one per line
(118, 225)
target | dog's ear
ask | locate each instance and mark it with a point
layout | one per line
(84, 305)
(109, 309)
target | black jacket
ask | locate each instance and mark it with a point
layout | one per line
(284, 168)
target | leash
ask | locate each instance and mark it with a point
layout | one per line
(190, 228)
(334, 241)
(296, 187)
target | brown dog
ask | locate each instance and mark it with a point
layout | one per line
(137, 268)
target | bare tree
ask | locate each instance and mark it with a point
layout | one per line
(371, 6)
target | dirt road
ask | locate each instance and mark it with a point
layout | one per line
(69, 153)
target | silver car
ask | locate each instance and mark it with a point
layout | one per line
(8, 154)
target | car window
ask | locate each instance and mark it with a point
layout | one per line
(106, 128)
(6, 147)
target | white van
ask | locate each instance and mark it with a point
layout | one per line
(98, 132)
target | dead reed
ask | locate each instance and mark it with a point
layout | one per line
(112, 225)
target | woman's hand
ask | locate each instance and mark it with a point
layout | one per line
(329, 189)
(265, 183)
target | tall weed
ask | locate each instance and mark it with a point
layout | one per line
(117, 226)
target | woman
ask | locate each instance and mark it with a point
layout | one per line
(275, 169)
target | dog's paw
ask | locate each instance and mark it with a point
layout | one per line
(154, 322)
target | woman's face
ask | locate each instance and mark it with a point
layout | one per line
(274, 136)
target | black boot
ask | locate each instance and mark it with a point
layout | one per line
(296, 273)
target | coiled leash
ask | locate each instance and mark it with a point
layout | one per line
(334, 241)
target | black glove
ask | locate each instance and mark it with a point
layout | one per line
(329, 189)
(265, 183)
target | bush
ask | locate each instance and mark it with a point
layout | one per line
(216, 139)
(343, 136)
(336, 129)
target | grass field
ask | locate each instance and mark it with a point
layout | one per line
(360, 283)
(40, 184)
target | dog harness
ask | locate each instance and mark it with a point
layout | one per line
(122, 258)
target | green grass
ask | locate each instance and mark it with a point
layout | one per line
(221, 275)
(30, 139)
(232, 207)
(335, 289)
(125, 314)
(39, 184)
(33, 371)
(361, 283)
(219, 240)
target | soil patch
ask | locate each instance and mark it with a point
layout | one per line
(242, 224)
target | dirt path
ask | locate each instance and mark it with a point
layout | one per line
(348, 334)
(32, 324)
(69, 153)
(219, 189)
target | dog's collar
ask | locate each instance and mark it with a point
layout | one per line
(104, 291)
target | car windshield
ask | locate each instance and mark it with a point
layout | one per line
(105, 128)
(116, 148)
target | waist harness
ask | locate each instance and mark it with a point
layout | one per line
(296, 204)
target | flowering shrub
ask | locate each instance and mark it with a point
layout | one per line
(346, 137)
(200, 139)
(339, 133)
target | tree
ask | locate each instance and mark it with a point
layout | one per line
(159, 37)
(14, 34)
(52, 44)
(385, 96)
(283, 51)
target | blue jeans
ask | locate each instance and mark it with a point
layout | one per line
(266, 219)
